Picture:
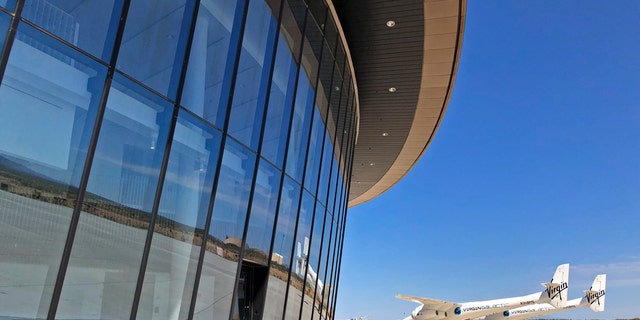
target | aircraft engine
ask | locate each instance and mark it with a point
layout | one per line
(424, 314)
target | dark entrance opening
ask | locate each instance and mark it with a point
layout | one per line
(252, 290)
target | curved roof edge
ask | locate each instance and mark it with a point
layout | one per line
(443, 33)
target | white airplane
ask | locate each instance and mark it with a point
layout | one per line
(432, 309)
(593, 299)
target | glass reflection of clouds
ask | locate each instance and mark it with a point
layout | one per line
(118, 200)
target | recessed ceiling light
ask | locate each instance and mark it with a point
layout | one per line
(392, 89)
(391, 23)
(372, 164)
(385, 134)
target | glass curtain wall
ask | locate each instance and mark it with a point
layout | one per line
(165, 159)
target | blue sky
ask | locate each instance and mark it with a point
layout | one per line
(537, 163)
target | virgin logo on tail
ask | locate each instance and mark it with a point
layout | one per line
(555, 291)
(595, 296)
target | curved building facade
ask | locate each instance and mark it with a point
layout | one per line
(191, 159)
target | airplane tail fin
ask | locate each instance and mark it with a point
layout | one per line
(556, 292)
(595, 295)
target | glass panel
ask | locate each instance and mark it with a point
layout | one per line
(280, 101)
(329, 303)
(325, 88)
(340, 57)
(154, 41)
(348, 114)
(333, 183)
(318, 10)
(249, 98)
(281, 250)
(5, 19)
(225, 234)
(322, 289)
(314, 38)
(232, 194)
(263, 214)
(89, 25)
(300, 126)
(325, 169)
(315, 153)
(170, 274)
(331, 34)
(8, 4)
(301, 257)
(105, 260)
(211, 60)
(47, 113)
(337, 112)
(310, 305)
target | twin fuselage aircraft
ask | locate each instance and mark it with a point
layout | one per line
(592, 299)
(552, 299)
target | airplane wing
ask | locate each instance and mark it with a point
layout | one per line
(434, 304)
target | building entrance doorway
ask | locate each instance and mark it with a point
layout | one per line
(252, 288)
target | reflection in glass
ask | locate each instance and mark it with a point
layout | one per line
(105, 260)
(8, 4)
(325, 169)
(315, 153)
(89, 25)
(330, 277)
(300, 126)
(276, 128)
(263, 213)
(323, 287)
(48, 109)
(301, 256)
(179, 230)
(225, 235)
(281, 250)
(247, 109)
(211, 60)
(232, 196)
(332, 183)
(4, 26)
(50, 99)
(312, 280)
(154, 40)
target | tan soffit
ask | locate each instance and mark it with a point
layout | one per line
(443, 33)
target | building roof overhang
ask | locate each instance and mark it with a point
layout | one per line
(405, 71)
